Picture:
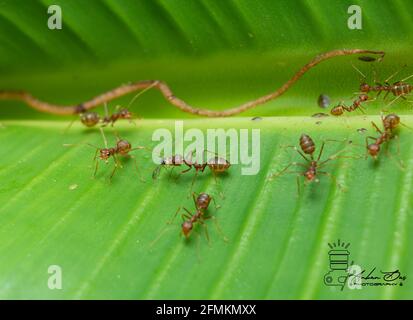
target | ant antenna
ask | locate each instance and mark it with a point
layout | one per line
(105, 106)
(394, 74)
(140, 93)
(358, 70)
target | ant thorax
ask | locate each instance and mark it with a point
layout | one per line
(125, 114)
(89, 119)
(175, 160)
(202, 201)
(106, 153)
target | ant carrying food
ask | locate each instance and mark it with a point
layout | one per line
(216, 164)
(341, 108)
(122, 148)
(313, 166)
(390, 123)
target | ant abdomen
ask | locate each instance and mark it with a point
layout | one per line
(202, 201)
(123, 147)
(218, 164)
(307, 144)
(391, 121)
(337, 110)
(373, 149)
(89, 119)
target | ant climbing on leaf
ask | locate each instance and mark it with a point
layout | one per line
(201, 203)
(200, 216)
(313, 165)
(122, 148)
(390, 122)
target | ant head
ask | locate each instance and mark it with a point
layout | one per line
(373, 149)
(187, 228)
(125, 114)
(337, 110)
(310, 175)
(363, 97)
(123, 146)
(391, 121)
(89, 119)
(105, 153)
(364, 87)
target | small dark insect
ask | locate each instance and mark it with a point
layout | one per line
(323, 101)
(319, 115)
(341, 107)
(367, 58)
(313, 166)
(390, 122)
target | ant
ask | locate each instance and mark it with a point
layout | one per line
(201, 202)
(399, 88)
(122, 148)
(390, 123)
(340, 108)
(90, 119)
(313, 165)
(216, 164)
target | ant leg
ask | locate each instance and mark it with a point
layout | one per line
(69, 126)
(206, 231)
(394, 74)
(333, 178)
(218, 228)
(391, 102)
(136, 167)
(299, 152)
(283, 171)
(298, 186)
(96, 167)
(321, 151)
(117, 163)
(376, 127)
(407, 78)
(174, 216)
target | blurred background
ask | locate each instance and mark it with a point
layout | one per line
(213, 54)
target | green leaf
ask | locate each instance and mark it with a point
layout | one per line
(112, 240)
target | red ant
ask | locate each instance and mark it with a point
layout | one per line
(90, 119)
(399, 89)
(340, 108)
(215, 164)
(201, 202)
(122, 148)
(312, 167)
(390, 122)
